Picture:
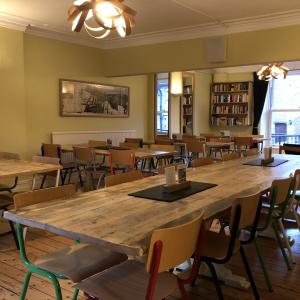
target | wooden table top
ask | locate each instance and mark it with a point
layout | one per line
(218, 144)
(112, 219)
(140, 153)
(15, 167)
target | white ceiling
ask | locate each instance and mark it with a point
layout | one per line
(157, 20)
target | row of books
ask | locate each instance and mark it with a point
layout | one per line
(230, 87)
(188, 89)
(188, 111)
(230, 98)
(188, 99)
(223, 121)
(230, 109)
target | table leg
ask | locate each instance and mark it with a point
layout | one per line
(33, 182)
(57, 178)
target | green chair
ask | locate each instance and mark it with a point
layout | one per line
(276, 202)
(73, 263)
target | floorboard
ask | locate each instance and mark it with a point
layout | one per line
(286, 283)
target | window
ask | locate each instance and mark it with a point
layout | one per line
(282, 110)
(162, 104)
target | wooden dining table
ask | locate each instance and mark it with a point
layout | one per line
(16, 167)
(140, 153)
(112, 219)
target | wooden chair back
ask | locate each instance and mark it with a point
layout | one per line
(123, 178)
(84, 154)
(9, 155)
(160, 147)
(283, 189)
(202, 161)
(297, 180)
(46, 160)
(289, 149)
(249, 210)
(245, 142)
(251, 152)
(130, 145)
(43, 195)
(179, 243)
(135, 140)
(230, 156)
(164, 141)
(161, 169)
(208, 136)
(96, 143)
(196, 148)
(51, 150)
(121, 158)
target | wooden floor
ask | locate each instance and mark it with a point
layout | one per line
(286, 283)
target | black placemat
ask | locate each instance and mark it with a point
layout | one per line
(275, 163)
(158, 193)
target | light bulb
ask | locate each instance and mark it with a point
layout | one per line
(107, 10)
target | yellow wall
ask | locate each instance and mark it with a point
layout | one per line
(45, 62)
(30, 70)
(13, 135)
(280, 44)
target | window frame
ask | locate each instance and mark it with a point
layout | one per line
(156, 134)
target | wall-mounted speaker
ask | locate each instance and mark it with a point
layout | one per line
(216, 49)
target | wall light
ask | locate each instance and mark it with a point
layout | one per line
(176, 83)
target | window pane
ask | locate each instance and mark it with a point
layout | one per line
(162, 104)
(286, 93)
(285, 127)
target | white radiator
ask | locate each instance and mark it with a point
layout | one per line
(80, 137)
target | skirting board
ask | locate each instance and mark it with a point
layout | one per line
(79, 137)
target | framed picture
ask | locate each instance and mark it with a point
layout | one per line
(87, 99)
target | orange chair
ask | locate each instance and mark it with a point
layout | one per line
(133, 280)
(123, 160)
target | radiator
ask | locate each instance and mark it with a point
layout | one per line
(80, 137)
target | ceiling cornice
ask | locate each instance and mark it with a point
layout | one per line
(184, 33)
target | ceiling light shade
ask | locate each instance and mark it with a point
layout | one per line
(100, 17)
(275, 70)
(176, 83)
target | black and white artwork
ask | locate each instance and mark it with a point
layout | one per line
(93, 99)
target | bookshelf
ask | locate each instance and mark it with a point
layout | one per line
(187, 104)
(231, 104)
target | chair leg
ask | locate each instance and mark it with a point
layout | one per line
(75, 295)
(286, 241)
(250, 277)
(285, 257)
(25, 286)
(13, 231)
(182, 290)
(70, 176)
(263, 266)
(296, 217)
(215, 279)
(43, 182)
(56, 287)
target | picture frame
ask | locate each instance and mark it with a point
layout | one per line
(91, 99)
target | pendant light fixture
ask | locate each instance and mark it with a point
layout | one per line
(176, 83)
(274, 70)
(100, 17)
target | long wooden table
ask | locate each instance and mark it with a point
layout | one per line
(112, 219)
(140, 153)
(16, 167)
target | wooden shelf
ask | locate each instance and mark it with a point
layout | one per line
(230, 103)
(186, 104)
(238, 101)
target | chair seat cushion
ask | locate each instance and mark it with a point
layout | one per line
(127, 281)
(216, 245)
(79, 261)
